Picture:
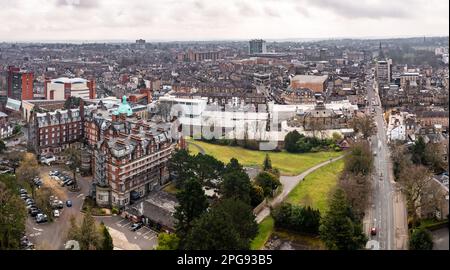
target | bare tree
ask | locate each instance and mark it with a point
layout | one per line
(364, 125)
(73, 156)
(163, 109)
(357, 188)
(434, 157)
(28, 170)
(415, 183)
(400, 159)
(316, 126)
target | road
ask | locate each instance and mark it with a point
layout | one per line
(387, 202)
(289, 183)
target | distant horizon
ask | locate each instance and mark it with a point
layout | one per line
(119, 40)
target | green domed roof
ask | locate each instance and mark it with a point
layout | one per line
(124, 108)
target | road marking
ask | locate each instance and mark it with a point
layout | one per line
(146, 237)
(149, 231)
(152, 237)
(126, 225)
(126, 220)
(80, 195)
(39, 230)
(138, 233)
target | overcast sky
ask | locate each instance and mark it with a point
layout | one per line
(28, 20)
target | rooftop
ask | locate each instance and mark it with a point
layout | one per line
(310, 78)
(69, 80)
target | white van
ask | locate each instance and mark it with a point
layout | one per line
(48, 160)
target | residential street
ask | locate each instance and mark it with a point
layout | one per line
(387, 213)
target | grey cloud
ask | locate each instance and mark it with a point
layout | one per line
(245, 9)
(364, 9)
(302, 11)
(79, 3)
(269, 11)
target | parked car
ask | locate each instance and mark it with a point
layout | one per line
(41, 218)
(69, 183)
(34, 212)
(69, 203)
(54, 173)
(56, 213)
(48, 160)
(23, 191)
(136, 226)
(57, 204)
(24, 196)
(37, 182)
(25, 243)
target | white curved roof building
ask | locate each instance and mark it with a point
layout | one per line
(63, 88)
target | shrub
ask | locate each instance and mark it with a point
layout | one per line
(256, 195)
(268, 182)
(421, 240)
(297, 218)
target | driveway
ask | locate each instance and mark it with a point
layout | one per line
(52, 236)
(124, 239)
(440, 239)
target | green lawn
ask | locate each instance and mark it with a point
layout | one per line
(170, 188)
(265, 229)
(287, 163)
(314, 189)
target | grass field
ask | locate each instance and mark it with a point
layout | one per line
(287, 163)
(314, 189)
(265, 229)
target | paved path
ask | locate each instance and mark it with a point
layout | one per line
(289, 183)
(440, 239)
(200, 149)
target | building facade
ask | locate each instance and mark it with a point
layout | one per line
(257, 46)
(20, 84)
(63, 88)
